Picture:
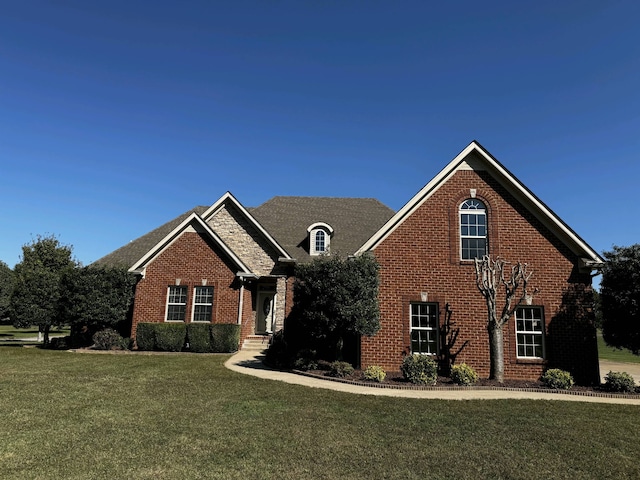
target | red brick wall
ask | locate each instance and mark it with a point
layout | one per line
(430, 262)
(191, 258)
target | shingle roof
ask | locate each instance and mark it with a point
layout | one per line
(354, 221)
(136, 249)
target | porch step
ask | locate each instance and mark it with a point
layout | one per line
(256, 343)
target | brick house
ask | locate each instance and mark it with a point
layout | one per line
(229, 264)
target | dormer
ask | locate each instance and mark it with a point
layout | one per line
(319, 238)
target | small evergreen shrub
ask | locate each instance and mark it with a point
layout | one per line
(61, 343)
(340, 369)
(463, 374)
(127, 343)
(199, 337)
(305, 363)
(619, 382)
(374, 373)
(419, 369)
(146, 336)
(225, 337)
(170, 337)
(107, 339)
(558, 379)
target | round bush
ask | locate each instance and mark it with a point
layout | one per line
(619, 382)
(341, 369)
(463, 374)
(107, 339)
(558, 379)
(420, 369)
(375, 373)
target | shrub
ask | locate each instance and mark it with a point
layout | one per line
(225, 337)
(199, 337)
(375, 373)
(170, 337)
(278, 354)
(60, 343)
(107, 339)
(419, 369)
(146, 336)
(619, 382)
(558, 379)
(340, 369)
(463, 374)
(305, 363)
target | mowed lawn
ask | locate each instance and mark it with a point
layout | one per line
(73, 416)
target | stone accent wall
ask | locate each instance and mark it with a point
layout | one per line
(244, 239)
(422, 256)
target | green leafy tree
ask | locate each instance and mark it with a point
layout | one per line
(620, 298)
(34, 300)
(96, 297)
(335, 298)
(6, 288)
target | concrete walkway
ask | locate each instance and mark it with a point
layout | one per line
(250, 363)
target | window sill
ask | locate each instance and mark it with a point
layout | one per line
(531, 361)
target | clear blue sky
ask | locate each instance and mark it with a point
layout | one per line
(117, 116)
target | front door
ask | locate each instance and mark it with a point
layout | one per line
(265, 312)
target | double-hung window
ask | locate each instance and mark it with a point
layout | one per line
(530, 332)
(320, 241)
(202, 304)
(176, 303)
(424, 328)
(473, 229)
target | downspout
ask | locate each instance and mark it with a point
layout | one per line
(240, 303)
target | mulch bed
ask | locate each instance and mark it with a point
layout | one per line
(396, 380)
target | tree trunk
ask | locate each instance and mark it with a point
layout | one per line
(496, 352)
(45, 333)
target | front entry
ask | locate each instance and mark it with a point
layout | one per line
(265, 312)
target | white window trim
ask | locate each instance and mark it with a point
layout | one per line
(486, 225)
(313, 230)
(429, 329)
(194, 304)
(166, 308)
(540, 333)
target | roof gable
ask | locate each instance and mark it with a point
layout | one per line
(475, 157)
(229, 198)
(193, 220)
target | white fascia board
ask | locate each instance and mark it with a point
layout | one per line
(229, 197)
(166, 242)
(509, 181)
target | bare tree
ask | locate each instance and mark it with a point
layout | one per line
(491, 276)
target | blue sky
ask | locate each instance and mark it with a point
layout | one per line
(117, 116)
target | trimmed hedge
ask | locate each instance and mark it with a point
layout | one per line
(202, 337)
(171, 337)
(146, 336)
(199, 337)
(225, 337)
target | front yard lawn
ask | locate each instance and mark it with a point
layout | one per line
(9, 332)
(73, 416)
(605, 352)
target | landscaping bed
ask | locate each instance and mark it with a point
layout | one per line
(396, 380)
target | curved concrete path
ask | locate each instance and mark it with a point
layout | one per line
(250, 363)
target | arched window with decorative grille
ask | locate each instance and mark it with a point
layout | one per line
(473, 229)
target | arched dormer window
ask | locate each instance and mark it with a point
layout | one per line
(473, 229)
(319, 238)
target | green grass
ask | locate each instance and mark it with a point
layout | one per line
(9, 332)
(605, 352)
(75, 416)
